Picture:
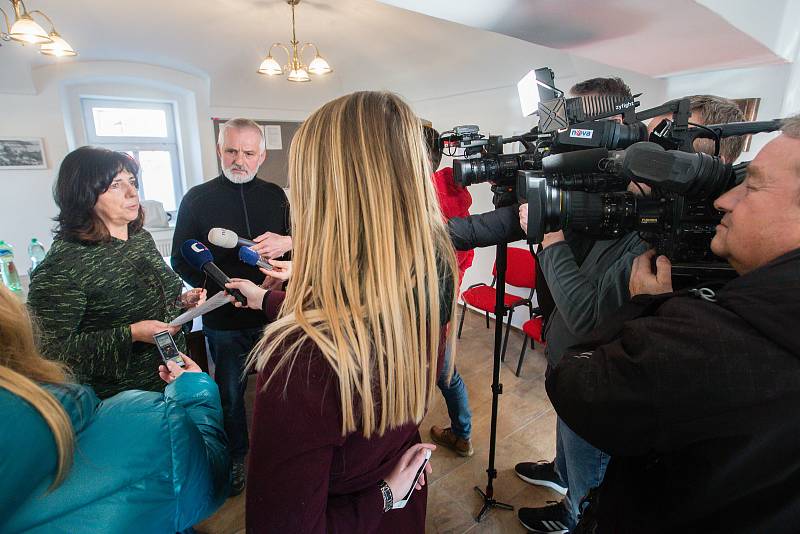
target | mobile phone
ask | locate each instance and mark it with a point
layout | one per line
(402, 502)
(168, 349)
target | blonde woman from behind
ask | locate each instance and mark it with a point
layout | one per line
(349, 365)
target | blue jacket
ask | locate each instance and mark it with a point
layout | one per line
(144, 461)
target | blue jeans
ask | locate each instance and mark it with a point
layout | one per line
(229, 350)
(579, 465)
(455, 397)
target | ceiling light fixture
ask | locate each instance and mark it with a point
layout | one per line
(26, 30)
(298, 72)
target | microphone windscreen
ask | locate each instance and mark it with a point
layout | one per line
(223, 238)
(196, 254)
(249, 256)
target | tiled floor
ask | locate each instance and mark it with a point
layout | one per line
(526, 431)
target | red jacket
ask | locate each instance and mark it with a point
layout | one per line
(455, 202)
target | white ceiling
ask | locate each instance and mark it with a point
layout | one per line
(373, 45)
(369, 44)
(655, 38)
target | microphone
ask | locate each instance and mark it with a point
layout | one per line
(199, 257)
(251, 257)
(227, 239)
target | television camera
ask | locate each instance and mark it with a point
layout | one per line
(575, 168)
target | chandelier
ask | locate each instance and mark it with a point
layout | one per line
(26, 30)
(298, 72)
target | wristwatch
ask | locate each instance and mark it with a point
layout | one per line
(388, 498)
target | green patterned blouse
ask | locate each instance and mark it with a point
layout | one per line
(84, 299)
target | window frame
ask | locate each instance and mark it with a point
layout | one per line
(169, 144)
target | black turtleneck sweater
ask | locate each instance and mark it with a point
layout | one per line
(249, 210)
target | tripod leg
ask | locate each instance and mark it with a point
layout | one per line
(485, 507)
(488, 504)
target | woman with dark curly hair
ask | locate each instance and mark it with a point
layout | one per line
(103, 290)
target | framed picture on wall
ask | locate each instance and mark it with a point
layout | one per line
(749, 107)
(22, 153)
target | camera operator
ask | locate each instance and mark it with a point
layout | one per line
(586, 293)
(696, 398)
(710, 109)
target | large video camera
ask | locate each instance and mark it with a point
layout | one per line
(576, 166)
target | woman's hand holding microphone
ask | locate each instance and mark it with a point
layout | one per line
(255, 294)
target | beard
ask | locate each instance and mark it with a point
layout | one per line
(238, 178)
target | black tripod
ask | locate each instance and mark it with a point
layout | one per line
(497, 388)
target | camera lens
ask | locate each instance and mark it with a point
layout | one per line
(463, 172)
(499, 169)
(627, 134)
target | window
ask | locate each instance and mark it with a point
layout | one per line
(146, 131)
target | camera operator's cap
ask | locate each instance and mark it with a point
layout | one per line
(528, 89)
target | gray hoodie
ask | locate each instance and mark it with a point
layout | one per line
(585, 296)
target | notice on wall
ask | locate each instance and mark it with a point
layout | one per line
(272, 134)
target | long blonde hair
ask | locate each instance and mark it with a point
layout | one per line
(22, 368)
(373, 264)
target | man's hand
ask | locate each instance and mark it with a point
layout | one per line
(552, 238)
(272, 245)
(644, 281)
(523, 217)
(192, 298)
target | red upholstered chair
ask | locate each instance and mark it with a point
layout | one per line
(520, 272)
(534, 331)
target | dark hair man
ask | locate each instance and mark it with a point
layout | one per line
(588, 281)
(602, 87)
(696, 398)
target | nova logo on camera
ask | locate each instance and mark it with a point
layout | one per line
(581, 133)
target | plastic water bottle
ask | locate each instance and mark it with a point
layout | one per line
(36, 252)
(7, 268)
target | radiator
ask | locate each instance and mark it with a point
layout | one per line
(163, 239)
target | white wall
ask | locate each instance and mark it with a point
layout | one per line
(26, 198)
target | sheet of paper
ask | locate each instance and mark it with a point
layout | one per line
(218, 300)
(272, 134)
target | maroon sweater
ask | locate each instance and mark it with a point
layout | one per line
(303, 475)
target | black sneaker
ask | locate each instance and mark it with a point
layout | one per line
(238, 478)
(540, 474)
(552, 519)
